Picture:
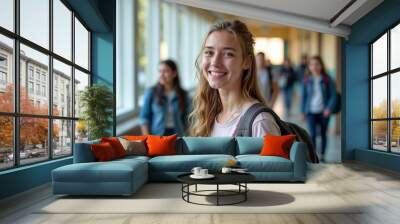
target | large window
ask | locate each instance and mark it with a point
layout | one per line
(44, 64)
(385, 94)
(159, 30)
(166, 31)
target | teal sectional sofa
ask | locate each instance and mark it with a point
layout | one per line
(125, 176)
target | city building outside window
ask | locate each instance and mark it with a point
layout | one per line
(37, 75)
(3, 61)
(43, 90)
(30, 87)
(3, 78)
(55, 135)
(37, 89)
(385, 95)
(30, 72)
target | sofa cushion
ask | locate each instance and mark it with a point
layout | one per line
(103, 152)
(206, 145)
(277, 145)
(185, 163)
(135, 137)
(257, 163)
(112, 171)
(134, 147)
(249, 145)
(116, 145)
(161, 145)
(132, 158)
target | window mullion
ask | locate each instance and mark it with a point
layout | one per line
(389, 106)
(16, 84)
(50, 81)
(73, 82)
(371, 89)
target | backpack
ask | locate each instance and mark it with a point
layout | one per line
(338, 104)
(245, 125)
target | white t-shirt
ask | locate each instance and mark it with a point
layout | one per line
(317, 103)
(263, 124)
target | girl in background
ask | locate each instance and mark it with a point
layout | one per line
(166, 105)
(318, 100)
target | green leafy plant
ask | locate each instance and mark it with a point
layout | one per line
(96, 102)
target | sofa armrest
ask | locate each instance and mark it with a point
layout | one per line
(298, 157)
(83, 152)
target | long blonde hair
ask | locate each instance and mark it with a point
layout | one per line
(207, 102)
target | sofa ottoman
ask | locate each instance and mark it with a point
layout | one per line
(119, 177)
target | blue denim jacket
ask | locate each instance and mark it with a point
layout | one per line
(328, 91)
(153, 114)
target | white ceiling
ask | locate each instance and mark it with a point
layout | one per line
(321, 9)
(314, 15)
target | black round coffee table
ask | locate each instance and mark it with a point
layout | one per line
(238, 179)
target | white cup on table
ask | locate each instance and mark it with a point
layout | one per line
(196, 170)
(203, 172)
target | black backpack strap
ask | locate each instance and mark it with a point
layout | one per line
(245, 125)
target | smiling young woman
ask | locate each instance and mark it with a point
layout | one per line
(227, 83)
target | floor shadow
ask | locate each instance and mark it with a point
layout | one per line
(255, 198)
(148, 191)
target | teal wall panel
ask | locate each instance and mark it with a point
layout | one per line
(102, 58)
(379, 159)
(103, 63)
(355, 141)
(24, 178)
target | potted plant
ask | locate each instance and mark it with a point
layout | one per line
(96, 102)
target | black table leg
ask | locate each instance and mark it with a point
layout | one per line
(217, 194)
(182, 190)
(245, 193)
(185, 188)
(188, 190)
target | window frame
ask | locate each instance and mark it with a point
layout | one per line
(388, 74)
(16, 115)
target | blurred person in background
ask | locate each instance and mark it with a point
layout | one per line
(287, 79)
(166, 105)
(318, 100)
(302, 68)
(267, 80)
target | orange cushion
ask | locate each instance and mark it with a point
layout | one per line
(116, 145)
(135, 137)
(103, 151)
(161, 145)
(277, 145)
